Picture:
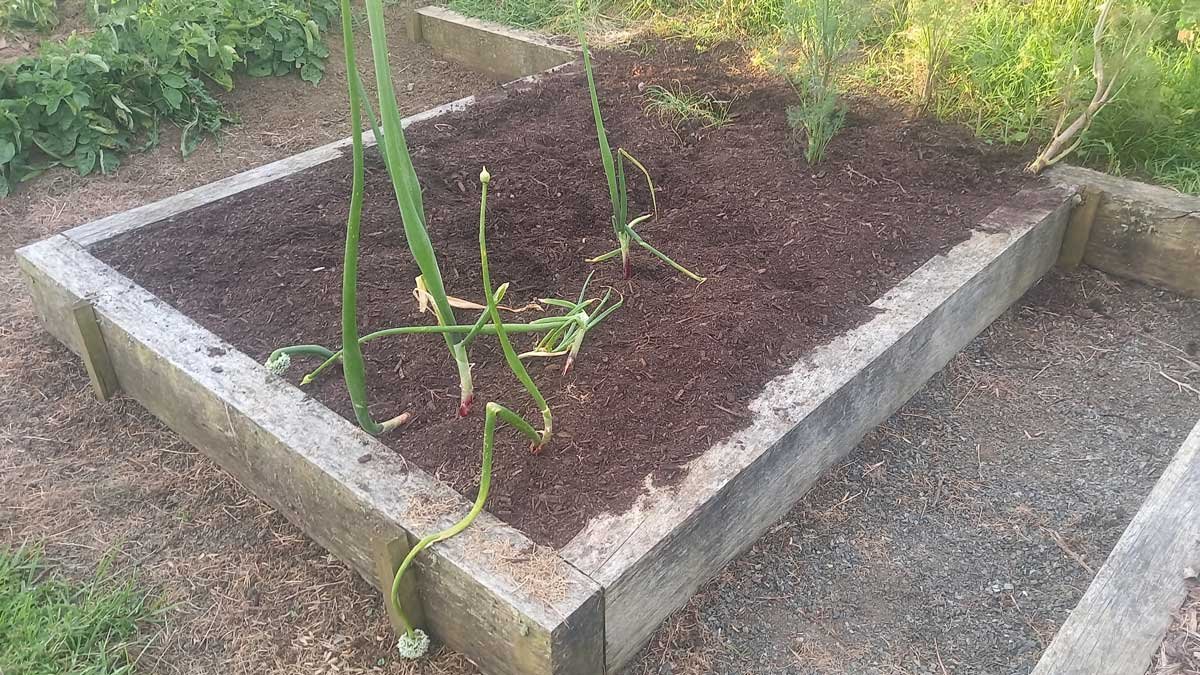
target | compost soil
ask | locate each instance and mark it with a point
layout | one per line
(794, 255)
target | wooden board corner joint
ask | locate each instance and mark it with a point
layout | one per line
(95, 353)
(389, 554)
(1079, 228)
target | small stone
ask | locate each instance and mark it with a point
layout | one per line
(363, 459)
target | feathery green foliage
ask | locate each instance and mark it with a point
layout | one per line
(817, 38)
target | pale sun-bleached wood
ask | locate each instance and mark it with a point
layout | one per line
(1118, 624)
(1141, 232)
(303, 459)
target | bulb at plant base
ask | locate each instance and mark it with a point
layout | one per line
(413, 645)
(280, 364)
(484, 176)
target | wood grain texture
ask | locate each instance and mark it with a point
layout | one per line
(93, 351)
(497, 51)
(390, 553)
(303, 459)
(652, 558)
(1141, 232)
(1117, 627)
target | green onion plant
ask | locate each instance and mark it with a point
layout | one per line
(618, 191)
(414, 642)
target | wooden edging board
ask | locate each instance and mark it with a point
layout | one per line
(499, 52)
(1139, 231)
(623, 574)
(1118, 624)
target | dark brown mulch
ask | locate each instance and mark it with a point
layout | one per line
(794, 255)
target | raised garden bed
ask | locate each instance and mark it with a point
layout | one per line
(696, 416)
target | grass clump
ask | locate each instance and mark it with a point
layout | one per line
(675, 104)
(50, 626)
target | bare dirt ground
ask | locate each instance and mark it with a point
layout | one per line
(954, 540)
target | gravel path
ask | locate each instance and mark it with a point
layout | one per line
(961, 532)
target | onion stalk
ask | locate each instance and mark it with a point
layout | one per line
(414, 642)
(394, 149)
(618, 189)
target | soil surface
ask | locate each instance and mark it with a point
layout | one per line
(794, 256)
(960, 534)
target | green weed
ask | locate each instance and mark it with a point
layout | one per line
(49, 625)
(676, 104)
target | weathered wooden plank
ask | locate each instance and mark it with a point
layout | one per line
(1079, 229)
(94, 353)
(111, 226)
(304, 459)
(1118, 624)
(1141, 232)
(652, 558)
(498, 51)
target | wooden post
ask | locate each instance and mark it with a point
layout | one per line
(1079, 229)
(412, 24)
(95, 353)
(389, 553)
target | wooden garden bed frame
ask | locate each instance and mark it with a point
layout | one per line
(593, 604)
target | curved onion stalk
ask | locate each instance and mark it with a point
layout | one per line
(510, 354)
(470, 332)
(414, 642)
(618, 190)
(408, 196)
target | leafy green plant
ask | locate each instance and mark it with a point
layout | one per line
(818, 38)
(618, 190)
(676, 104)
(84, 102)
(36, 15)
